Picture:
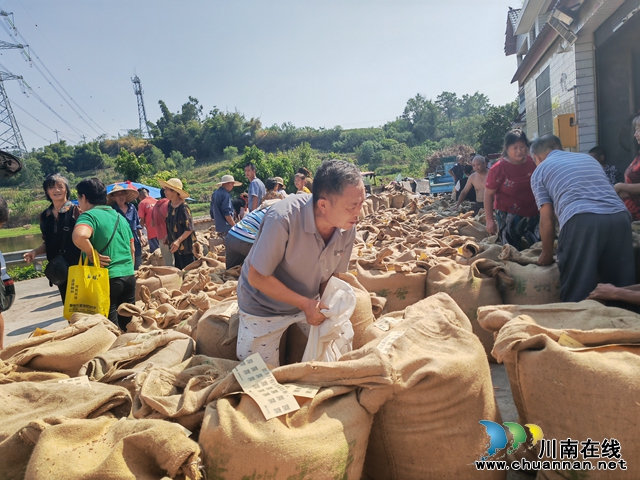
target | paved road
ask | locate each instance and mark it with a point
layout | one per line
(36, 305)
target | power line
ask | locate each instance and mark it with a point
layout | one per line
(18, 34)
(36, 119)
(36, 134)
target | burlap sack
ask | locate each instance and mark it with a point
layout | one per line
(218, 331)
(401, 289)
(363, 314)
(428, 428)
(490, 252)
(65, 350)
(526, 257)
(471, 228)
(26, 402)
(585, 315)
(397, 200)
(471, 287)
(532, 284)
(10, 373)
(382, 325)
(134, 352)
(108, 448)
(155, 278)
(583, 393)
(179, 392)
(326, 438)
(377, 304)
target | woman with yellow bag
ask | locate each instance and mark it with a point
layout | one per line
(99, 228)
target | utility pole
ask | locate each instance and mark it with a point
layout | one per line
(56, 132)
(142, 114)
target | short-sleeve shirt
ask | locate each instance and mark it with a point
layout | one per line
(458, 171)
(131, 215)
(256, 189)
(145, 211)
(632, 175)
(290, 248)
(247, 228)
(574, 183)
(221, 207)
(179, 220)
(512, 184)
(56, 240)
(159, 217)
(102, 221)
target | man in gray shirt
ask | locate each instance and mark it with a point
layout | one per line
(257, 191)
(302, 242)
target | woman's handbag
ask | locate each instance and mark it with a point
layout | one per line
(87, 288)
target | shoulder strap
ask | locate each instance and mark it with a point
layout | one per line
(114, 232)
(68, 216)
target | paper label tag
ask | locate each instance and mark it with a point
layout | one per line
(306, 391)
(385, 345)
(566, 341)
(385, 323)
(82, 381)
(258, 382)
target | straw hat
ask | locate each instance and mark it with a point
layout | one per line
(228, 179)
(174, 184)
(131, 191)
(279, 181)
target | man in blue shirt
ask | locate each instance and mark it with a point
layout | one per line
(595, 242)
(257, 190)
(221, 209)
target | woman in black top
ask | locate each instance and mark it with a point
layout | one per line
(180, 232)
(56, 225)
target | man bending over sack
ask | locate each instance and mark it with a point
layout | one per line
(303, 241)
(595, 241)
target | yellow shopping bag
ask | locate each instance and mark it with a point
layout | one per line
(87, 288)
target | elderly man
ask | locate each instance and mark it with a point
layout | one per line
(595, 227)
(257, 190)
(303, 241)
(457, 171)
(221, 209)
(476, 181)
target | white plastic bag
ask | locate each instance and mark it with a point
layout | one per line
(334, 337)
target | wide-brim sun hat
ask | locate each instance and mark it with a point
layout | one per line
(229, 179)
(279, 181)
(131, 191)
(174, 184)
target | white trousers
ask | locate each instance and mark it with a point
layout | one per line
(263, 334)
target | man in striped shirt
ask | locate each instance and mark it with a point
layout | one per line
(242, 236)
(595, 241)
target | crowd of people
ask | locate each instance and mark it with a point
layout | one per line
(289, 245)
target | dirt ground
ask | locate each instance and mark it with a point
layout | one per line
(39, 305)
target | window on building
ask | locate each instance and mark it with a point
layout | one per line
(543, 101)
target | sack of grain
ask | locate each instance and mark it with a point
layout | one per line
(132, 353)
(218, 331)
(65, 350)
(400, 288)
(326, 438)
(108, 448)
(377, 304)
(27, 403)
(397, 200)
(155, 278)
(532, 284)
(442, 387)
(362, 315)
(181, 392)
(490, 252)
(471, 228)
(585, 315)
(578, 393)
(471, 287)
(10, 373)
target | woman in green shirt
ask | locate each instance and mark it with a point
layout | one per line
(100, 227)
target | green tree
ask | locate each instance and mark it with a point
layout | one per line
(423, 116)
(230, 152)
(131, 166)
(496, 124)
(476, 104)
(449, 104)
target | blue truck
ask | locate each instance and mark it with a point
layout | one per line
(441, 181)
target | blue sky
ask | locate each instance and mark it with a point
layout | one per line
(315, 63)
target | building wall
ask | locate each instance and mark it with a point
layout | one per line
(586, 94)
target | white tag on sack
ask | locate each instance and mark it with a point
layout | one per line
(82, 381)
(385, 323)
(306, 391)
(385, 345)
(258, 382)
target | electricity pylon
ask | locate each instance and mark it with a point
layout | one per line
(142, 114)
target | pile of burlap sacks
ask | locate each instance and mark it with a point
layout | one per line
(161, 401)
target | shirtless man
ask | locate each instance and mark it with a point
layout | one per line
(477, 181)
